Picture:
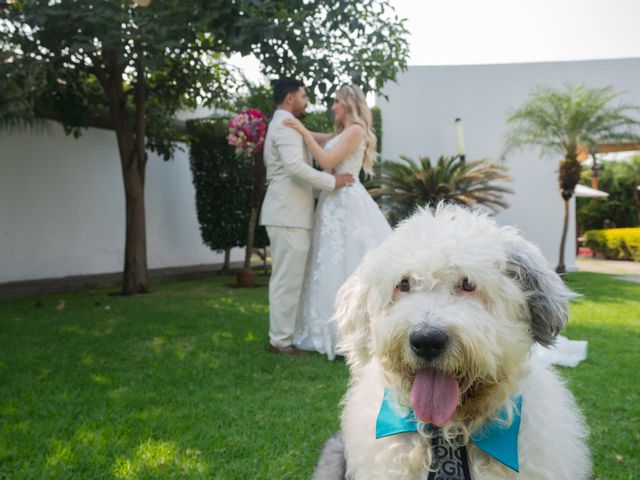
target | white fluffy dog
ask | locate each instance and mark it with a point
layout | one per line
(440, 321)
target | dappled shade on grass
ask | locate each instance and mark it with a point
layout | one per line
(174, 384)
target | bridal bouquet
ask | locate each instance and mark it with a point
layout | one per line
(247, 131)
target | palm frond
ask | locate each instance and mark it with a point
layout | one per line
(559, 121)
(406, 184)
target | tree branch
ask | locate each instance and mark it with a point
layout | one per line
(100, 118)
(140, 120)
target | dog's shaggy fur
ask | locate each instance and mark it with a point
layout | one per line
(486, 295)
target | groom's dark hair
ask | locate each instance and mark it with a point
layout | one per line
(283, 87)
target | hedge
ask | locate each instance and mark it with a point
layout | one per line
(615, 243)
(222, 181)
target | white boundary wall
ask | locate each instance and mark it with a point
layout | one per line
(62, 208)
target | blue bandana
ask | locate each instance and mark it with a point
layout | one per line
(494, 438)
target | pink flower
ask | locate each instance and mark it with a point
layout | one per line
(247, 131)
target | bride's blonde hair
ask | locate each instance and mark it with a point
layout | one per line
(354, 100)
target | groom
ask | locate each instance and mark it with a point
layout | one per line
(287, 211)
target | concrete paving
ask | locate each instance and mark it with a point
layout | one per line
(629, 271)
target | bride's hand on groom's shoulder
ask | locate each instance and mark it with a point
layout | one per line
(294, 123)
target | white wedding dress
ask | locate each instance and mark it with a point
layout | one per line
(347, 224)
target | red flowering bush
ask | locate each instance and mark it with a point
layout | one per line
(247, 131)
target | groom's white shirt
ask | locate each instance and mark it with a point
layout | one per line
(290, 177)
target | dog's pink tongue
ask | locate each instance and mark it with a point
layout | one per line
(434, 396)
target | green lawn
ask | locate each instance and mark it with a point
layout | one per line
(179, 384)
(607, 384)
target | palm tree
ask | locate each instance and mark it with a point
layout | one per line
(566, 121)
(401, 186)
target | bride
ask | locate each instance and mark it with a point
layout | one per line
(347, 222)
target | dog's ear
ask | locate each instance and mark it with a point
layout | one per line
(547, 296)
(352, 319)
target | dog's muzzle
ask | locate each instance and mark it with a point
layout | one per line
(428, 343)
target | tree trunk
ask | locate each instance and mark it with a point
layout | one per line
(565, 227)
(258, 178)
(250, 236)
(133, 160)
(136, 275)
(135, 278)
(227, 258)
(568, 176)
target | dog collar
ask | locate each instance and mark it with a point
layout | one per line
(494, 438)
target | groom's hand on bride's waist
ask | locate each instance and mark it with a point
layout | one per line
(343, 179)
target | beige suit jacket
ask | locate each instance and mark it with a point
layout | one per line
(290, 177)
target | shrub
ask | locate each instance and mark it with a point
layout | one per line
(622, 208)
(615, 243)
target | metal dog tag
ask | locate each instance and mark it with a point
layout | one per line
(451, 463)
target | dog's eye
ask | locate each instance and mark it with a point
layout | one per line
(467, 285)
(404, 285)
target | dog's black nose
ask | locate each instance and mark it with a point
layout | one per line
(428, 344)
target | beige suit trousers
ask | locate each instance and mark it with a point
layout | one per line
(289, 250)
